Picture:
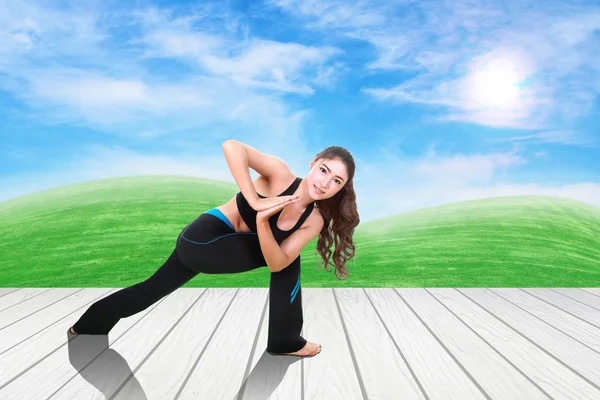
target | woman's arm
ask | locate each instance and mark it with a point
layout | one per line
(273, 254)
(279, 257)
(237, 160)
(240, 157)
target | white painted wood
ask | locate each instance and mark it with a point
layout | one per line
(592, 300)
(105, 375)
(67, 361)
(219, 373)
(35, 323)
(567, 301)
(271, 377)
(5, 291)
(161, 350)
(384, 372)
(37, 304)
(18, 296)
(331, 374)
(31, 339)
(558, 381)
(164, 372)
(595, 291)
(496, 377)
(439, 375)
(571, 352)
(529, 300)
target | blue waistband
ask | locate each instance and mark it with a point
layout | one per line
(217, 213)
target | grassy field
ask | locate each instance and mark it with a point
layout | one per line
(117, 232)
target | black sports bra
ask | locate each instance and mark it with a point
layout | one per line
(249, 214)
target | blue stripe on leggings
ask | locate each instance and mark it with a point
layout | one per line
(220, 237)
(217, 213)
(295, 291)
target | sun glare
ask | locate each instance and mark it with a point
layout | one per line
(494, 85)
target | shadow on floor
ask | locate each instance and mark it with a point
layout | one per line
(110, 371)
(267, 375)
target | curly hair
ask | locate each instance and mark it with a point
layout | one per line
(341, 217)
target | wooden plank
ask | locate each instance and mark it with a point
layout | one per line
(332, 374)
(107, 373)
(384, 371)
(34, 305)
(271, 377)
(180, 349)
(5, 291)
(529, 300)
(587, 297)
(19, 296)
(70, 360)
(595, 291)
(37, 322)
(571, 301)
(439, 375)
(578, 357)
(219, 373)
(558, 364)
(495, 376)
(31, 339)
(555, 379)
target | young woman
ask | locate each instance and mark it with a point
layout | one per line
(267, 223)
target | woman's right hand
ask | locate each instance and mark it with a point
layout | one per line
(262, 204)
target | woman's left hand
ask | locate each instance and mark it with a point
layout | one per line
(263, 216)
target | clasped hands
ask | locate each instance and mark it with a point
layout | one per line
(271, 205)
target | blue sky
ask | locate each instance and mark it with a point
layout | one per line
(438, 101)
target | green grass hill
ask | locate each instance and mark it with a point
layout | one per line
(117, 232)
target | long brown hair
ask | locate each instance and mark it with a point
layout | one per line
(341, 217)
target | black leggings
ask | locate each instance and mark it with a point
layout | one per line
(209, 245)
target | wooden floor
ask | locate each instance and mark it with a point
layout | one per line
(377, 344)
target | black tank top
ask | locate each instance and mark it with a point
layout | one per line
(249, 214)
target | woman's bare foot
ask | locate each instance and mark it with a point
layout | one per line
(310, 349)
(73, 331)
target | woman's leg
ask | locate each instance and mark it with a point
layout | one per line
(285, 310)
(103, 315)
(210, 245)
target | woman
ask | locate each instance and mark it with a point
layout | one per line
(267, 223)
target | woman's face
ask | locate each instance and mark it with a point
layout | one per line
(330, 176)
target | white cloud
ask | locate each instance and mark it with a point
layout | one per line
(563, 137)
(134, 107)
(336, 14)
(464, 169)
(418, 197)
(275, 64)
(183, 43)
(102, 101)
(42, 33)
(189, 159)
(482, 97)
(388, 184)
(92, 164)
(286, 67)
(71, 68)
(550, 48)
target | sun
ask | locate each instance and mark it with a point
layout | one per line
(495, 84)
